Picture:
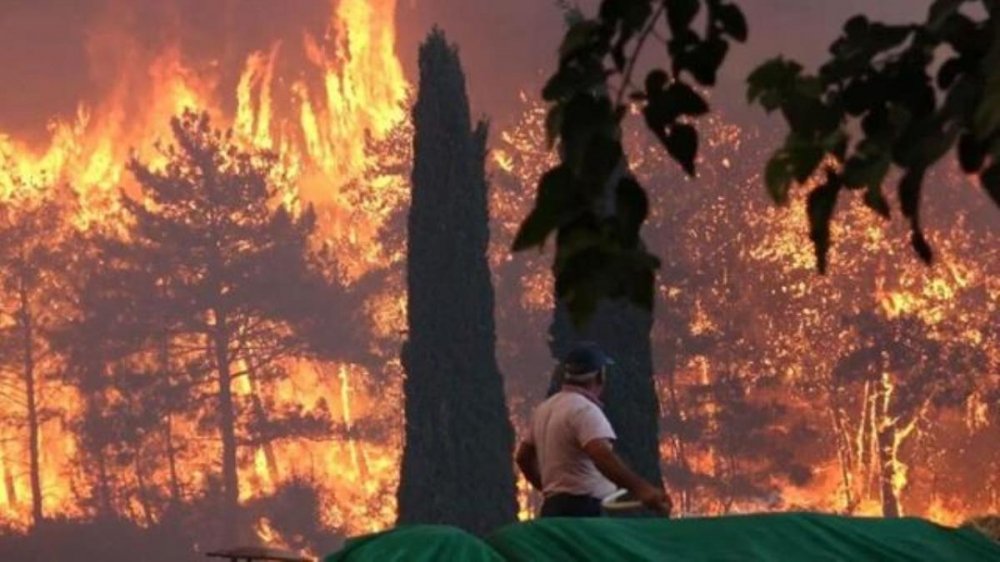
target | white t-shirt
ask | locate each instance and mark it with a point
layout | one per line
(560, 427)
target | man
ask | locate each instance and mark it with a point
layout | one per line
(568, 453)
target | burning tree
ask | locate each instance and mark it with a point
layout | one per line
(904, 372)
(35, 300)
(222, 284)
(457, 464)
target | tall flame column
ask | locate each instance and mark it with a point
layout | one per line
(457, 466)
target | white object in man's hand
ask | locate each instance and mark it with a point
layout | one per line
(650, 498)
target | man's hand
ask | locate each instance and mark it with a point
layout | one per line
(615, 470)
(654, 499)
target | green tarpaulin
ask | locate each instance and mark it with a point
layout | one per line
(766, 537)
(416, 543)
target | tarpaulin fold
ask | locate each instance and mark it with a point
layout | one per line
(778, 537)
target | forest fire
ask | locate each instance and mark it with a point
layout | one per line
(320, 137)
(872, 390)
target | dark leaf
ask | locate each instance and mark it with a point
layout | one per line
(804, 157)
(682, 144)
(990, 179)
(580, 36)
(636, 15)
(612, 11)
(656, 80)
(573, 79)
(680, 14)
(618, 56)
(964, 95)
(565, 82)
(949, 71)
(534, 230)
(553, 124)
(923, 143)
(940, 11)
(555, 204)
(856, 26)
(909, 192)
(963, 35)
(921, 246)
(819, 206)
(733, 22)
(868, 168)
(685, 101)
(860, 96)
(876, 201)
(704, 62)
(971, 153)
(632, 207)
(809, 116)
(883, 37)
(771, 82)
(778, 176)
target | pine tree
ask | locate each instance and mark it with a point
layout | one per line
(457, 462)
(34, 300)
(215, 261)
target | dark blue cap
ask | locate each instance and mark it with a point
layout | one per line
(584, 360)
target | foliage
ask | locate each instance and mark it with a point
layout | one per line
(35, 258)
(878, 80)
(214, 280)
(742, 423)
(890, 95)
(589, 200)
(459, 440)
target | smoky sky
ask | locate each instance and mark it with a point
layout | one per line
(49, 61)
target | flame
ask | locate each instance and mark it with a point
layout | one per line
(324, 138)
(341, 134)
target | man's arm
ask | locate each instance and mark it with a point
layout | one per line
(527, 460)
(614, 469)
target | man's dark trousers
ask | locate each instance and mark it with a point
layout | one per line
(571, 505)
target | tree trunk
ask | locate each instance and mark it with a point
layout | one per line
(175, 482)
(885, 436)
(684, 499)
(261, 413)
(866, 441)
(8, 481)
(143, 492)
(175, 486)
(34, 454)
(845, 456)
(227, 429)
(103, 485)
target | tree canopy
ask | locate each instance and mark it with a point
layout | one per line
(883, 79)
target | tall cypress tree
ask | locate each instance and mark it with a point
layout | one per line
(622, 331)
(457, 466)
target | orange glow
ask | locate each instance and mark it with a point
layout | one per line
(324, 141)
(333, 110)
